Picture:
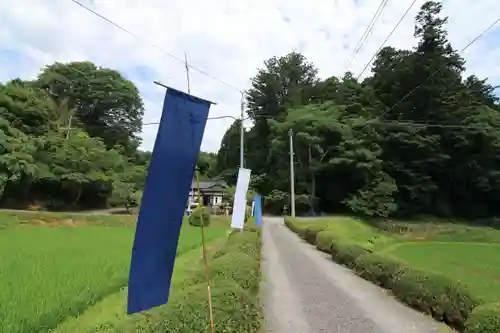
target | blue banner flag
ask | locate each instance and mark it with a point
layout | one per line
(257, 207)
(164, 199)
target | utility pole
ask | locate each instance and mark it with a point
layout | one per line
(68, 129)
(242, 132)
(292, 176)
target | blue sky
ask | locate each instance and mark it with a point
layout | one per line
(227, 39)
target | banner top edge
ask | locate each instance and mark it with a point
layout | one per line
(177, 91)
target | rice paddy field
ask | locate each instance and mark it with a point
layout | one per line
(54, 267)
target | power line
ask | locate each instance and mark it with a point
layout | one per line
(367, 31)
(209, 118)
(386, 39)
(475, 39)
(155, 46)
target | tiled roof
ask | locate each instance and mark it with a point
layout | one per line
(205, 184)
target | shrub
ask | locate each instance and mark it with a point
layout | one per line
(246, 242)
(309, 233)
(234, 277)
(484, 319)
(345, 253)
(324, 241)
(238, 266)
(291, 223)
(200, 213)
(434, 294)
(187, 312)
(378, 269)
(248, 212)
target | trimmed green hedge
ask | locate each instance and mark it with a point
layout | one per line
(433, 294)
(238, 266)
(292, 224)
(484, 319)
(235, 278)
(247, 242)
(346, 253)
(324, 240)
(234, 310)
(195, 219)
(309, 234)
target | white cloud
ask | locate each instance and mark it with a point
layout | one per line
(228, 39)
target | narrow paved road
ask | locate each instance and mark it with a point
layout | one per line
(306, 292)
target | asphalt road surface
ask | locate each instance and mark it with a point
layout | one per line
(304, 291)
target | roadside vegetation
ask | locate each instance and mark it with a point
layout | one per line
(430, 265)
(72, 263)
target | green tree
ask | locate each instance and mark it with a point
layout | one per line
(228, 157)
(284, 83)
(107, 105)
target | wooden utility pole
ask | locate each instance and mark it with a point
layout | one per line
(292, 176)
(242, 132)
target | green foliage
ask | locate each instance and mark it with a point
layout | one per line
(200, 216)
(435, 295)
(345, 253)
(378, 269)
(107, 105)
(311, 232)
(234, 310)
(324, 240)
(235, 277)
(484, 319)
(238, 266)
(430, 293)
(244, 242)
(68, 139)
(364, 147)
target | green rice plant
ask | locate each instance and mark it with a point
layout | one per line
(50, 273)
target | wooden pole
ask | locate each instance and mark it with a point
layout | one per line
(205, 260)
(200, 206)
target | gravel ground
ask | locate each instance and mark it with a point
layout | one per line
(304, 291)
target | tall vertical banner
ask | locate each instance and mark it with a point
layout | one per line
(240, 199)
(257, 204)
(164, 199)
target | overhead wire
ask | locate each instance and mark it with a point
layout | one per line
(367, 31)
(358, 47)
(387, 38)
(156, 46)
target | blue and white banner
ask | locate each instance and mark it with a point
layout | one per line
(240, 199)
(164, 199)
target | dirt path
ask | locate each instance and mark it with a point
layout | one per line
(308, 293)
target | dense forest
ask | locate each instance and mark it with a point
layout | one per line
(375, 147)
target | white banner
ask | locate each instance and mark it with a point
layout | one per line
(240, 199)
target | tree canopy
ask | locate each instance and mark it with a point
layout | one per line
(69, 140)
(376, 147)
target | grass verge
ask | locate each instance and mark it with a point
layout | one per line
(454, 282)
